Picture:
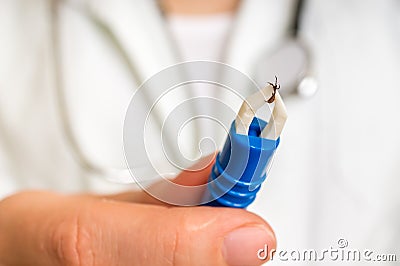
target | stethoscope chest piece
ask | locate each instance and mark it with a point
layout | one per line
(291, 63)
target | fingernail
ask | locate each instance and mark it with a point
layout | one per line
(241, 246)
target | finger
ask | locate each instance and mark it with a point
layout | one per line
(55, 230)
(175, 236)
(194, 176)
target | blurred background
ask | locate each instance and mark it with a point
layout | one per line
(68, 69)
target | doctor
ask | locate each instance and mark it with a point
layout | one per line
(67, 70)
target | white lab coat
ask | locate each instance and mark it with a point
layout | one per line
(336, 174)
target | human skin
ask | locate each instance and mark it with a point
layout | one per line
(196, 7)
(131, 228)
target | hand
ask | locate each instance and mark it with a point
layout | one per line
(44, 228)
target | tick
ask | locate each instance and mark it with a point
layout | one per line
(275, 86)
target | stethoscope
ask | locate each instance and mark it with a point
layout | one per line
(296, 79)
(291, 61)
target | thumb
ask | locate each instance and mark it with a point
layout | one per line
(49, 229)
(135, 234)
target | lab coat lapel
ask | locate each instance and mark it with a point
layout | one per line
(140, 28)
(256, 33)
(253, 35)
(138, 25)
